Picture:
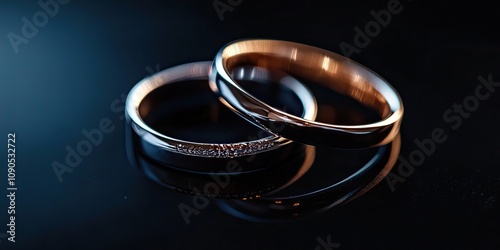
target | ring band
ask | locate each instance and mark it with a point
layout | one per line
(165, 148)
(316, 65)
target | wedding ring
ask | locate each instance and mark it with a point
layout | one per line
(316, 66)
(187, 154)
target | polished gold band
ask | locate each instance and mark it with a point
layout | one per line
(314, 65)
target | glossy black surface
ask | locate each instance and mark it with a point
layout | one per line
(75, 71)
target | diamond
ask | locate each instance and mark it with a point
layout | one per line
(225, 150)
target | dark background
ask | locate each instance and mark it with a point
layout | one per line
(67, 77)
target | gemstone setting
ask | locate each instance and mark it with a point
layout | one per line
(226, 150)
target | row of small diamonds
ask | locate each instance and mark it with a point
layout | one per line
(226, 150)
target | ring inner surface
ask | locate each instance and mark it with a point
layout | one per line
(310, 65)
(190, 111)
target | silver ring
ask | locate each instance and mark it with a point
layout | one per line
(315, 65)
(160, 146)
